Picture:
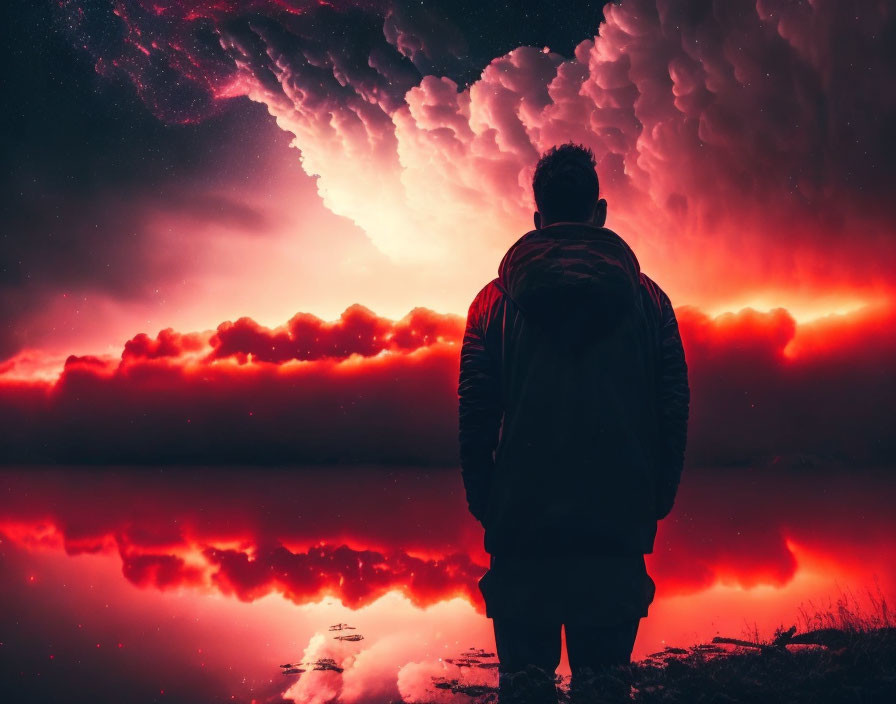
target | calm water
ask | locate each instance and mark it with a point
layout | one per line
(196, 584)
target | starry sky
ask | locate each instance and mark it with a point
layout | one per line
(134, 190)
(240, 237)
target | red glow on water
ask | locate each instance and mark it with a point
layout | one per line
(251, 638)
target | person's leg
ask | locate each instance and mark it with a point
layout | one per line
(528, 656)
(592, 650)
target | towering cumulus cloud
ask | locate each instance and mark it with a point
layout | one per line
(754, 133)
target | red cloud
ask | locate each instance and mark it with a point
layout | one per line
(358, 331)
(763, 386)
(168, 343)
(367, 389)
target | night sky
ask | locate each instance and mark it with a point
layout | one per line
(239, 241)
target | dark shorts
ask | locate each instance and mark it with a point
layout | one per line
(596, 590)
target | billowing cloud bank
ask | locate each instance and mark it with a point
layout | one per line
(361, 389)
(745, 147)
(368, 389)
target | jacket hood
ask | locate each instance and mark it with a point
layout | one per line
(575, 280)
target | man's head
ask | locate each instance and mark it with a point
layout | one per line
(566, 187)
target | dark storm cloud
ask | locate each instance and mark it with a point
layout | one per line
(88, 167)
(99, 132)
(178, 54)
(733, 128)
(754, 133)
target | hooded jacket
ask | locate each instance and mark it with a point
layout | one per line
(573, 398)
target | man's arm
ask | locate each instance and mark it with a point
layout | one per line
(479, 411)
(674, 404)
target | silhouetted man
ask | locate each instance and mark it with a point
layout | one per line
(573, 407)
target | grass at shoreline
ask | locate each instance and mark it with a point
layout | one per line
(842, 652)
(859, 666)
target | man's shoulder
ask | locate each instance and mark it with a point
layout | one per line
(488, 296)
(652, 287)
(655, 293)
